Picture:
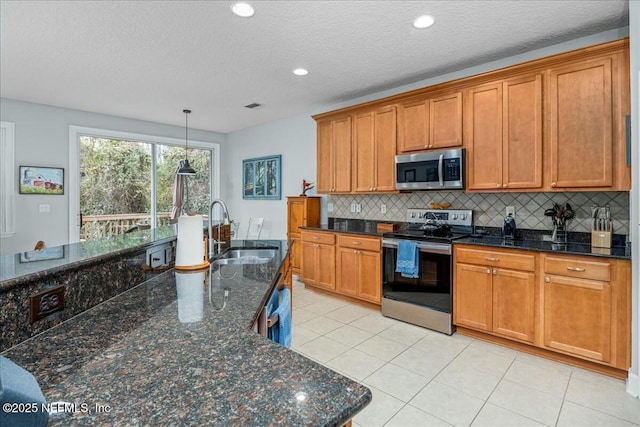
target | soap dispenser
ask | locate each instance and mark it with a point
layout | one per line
(509, 227)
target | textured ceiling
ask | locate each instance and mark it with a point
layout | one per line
(150, 59)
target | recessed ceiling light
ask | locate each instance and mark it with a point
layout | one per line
(242, 9)
(424, 21)
(300, 72)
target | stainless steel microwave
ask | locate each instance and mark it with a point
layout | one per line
(433, 170)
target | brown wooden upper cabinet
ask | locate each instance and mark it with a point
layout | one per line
(334, 155)
(504, 134)
(374, 148)
(430, 123)
(586, 106)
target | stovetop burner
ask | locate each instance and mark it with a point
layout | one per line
(435, 225)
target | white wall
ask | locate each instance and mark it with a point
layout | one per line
(42, 139)
(295, 139)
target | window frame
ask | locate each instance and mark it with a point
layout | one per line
(7, 160)
(75, 132)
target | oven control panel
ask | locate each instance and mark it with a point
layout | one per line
(457, 217)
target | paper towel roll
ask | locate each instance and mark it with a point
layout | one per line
(190, 296)
(190, 247)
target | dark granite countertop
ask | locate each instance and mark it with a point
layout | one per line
(27, 266)
(528, 240)
(570, 248)
(137, 354)
(350, 226)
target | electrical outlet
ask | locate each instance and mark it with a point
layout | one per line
(383, 208)
(44, 208)
(510, 210)
(358, 207)
(353, 207)
(329, 207)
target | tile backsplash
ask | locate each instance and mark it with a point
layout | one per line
(489, 208)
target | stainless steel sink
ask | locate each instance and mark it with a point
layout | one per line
(245, 256)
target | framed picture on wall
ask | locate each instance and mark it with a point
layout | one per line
(41, 180)
(261, 178)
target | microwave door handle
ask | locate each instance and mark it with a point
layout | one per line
(440, 164)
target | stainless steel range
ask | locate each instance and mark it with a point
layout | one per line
(426, 300)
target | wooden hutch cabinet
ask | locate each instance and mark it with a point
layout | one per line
(302, 211)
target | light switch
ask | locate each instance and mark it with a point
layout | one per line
(353, 207)
(358, 207)
(44, 208)
(383, 208)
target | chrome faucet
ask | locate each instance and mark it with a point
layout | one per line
(225, 221)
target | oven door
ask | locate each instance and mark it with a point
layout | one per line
(432, 288)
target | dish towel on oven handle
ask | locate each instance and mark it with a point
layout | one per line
(407, 261)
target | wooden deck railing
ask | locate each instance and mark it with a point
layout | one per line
(97, 226)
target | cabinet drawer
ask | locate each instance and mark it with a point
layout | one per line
(364, 243)
(578, 268)
(324, 238)
(502, 259)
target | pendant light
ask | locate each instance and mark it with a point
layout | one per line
(185, 168)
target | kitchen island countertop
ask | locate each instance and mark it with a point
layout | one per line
(160, 354)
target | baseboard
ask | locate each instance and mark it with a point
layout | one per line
(633, 384)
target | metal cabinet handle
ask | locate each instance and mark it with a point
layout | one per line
(578, 269)
(357, 243)
(547, 279)
(488, 271)
(498, 185)
(492, 259)
(315, 237)
(554, 184)
(495, 271)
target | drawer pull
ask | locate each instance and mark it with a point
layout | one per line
(547, 279)
(315, 237)
(357, 243)
(488, 271)
(492, 259)
(495, 271)
(578, 269)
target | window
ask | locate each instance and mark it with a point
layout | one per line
(7, 188)
(126, 180)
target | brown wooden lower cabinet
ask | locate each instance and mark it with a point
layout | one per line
(349, 265)
(319, 259)
(359, 268)
(573, 306)
(492, 295)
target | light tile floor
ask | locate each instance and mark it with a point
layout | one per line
(423, 378)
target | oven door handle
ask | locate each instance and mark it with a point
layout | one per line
(431, 247)
(440, 169)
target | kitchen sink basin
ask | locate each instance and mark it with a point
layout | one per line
(245, 256)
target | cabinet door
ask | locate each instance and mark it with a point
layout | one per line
(326, 272)
(296, 210)
(310, 264)
(413, 126)
(472, 302)
(347, 268)
(483, 123)
(522, 133)
(580, 124)
(364, 152)
(324, 176)
(295, 254)
(385, 149)
(369, 277)
(577, 316)
(341, 166)
(446, 121)
(514, 304)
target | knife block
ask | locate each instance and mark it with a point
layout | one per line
(601, 239)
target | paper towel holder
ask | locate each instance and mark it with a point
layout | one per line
(205, 263)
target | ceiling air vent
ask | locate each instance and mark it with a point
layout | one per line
(253, 105)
